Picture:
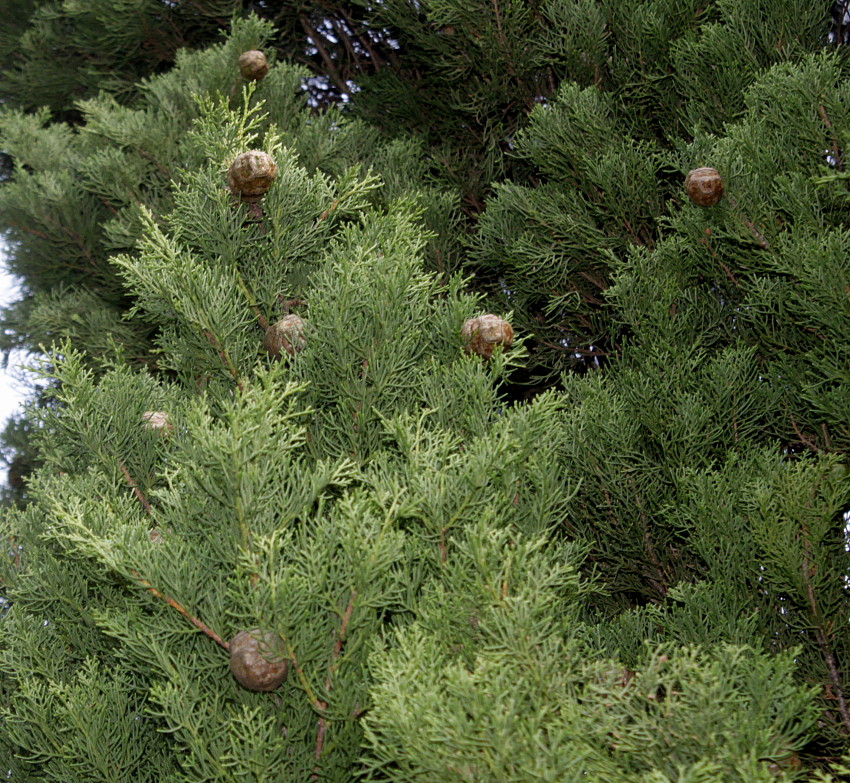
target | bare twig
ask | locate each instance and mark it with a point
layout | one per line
(757, 235)
(261, 319)
(802, 438)
(809, 570)
(174, 605)
(364, 40)
(595, 279)
(330, 65)
(224, 358)
(136, 491)
(573, 349)
(288, 304)
(28, 230)
(330, 209)
(322, 727)
(658, 580)
(147, 156)
(836, 152)
(109, 206)
(343, 36)
(729, 274)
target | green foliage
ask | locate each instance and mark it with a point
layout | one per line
(57, 53)
(76, 196)
(637, 574)
(485, 686)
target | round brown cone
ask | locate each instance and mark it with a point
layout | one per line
(253, 65)
(251, 174)
(481, 335)
(704, 187)
(256, 660)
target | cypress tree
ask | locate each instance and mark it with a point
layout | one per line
(293, 522)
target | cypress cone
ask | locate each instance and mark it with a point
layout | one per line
(704, 186)
(253, 65)
(251, 174)
(256, 660)
(481, 335)
(287, 334)
(156, 420)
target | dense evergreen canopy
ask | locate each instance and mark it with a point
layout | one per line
(613, 550)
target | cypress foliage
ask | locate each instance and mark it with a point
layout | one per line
(57, 53)
(636, 574)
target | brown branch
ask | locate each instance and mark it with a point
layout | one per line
(500, 34)
(657, 581)
(302, 678)
(809, 570)
(16, 558)
(288, 304)
(704, 242)
(757, 235)
(224, 358)
(29, 230)
(308, 63)
(570, 349)
(322, 727)
(147, 156)
(596, 280)
(256, 216)
(261, 319)
(220, 21)
(78, 241)
(320, 741)
(150, 588)
(728, 273)
(109, 206)
(136, 491)
(332, 71)
(364, 40)
(174, 605)
(826, 439)
(631, 232)
(330, 209)
(839, 162)
(834, 676)
(352, 55)
(802, 438)
(440, 265)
